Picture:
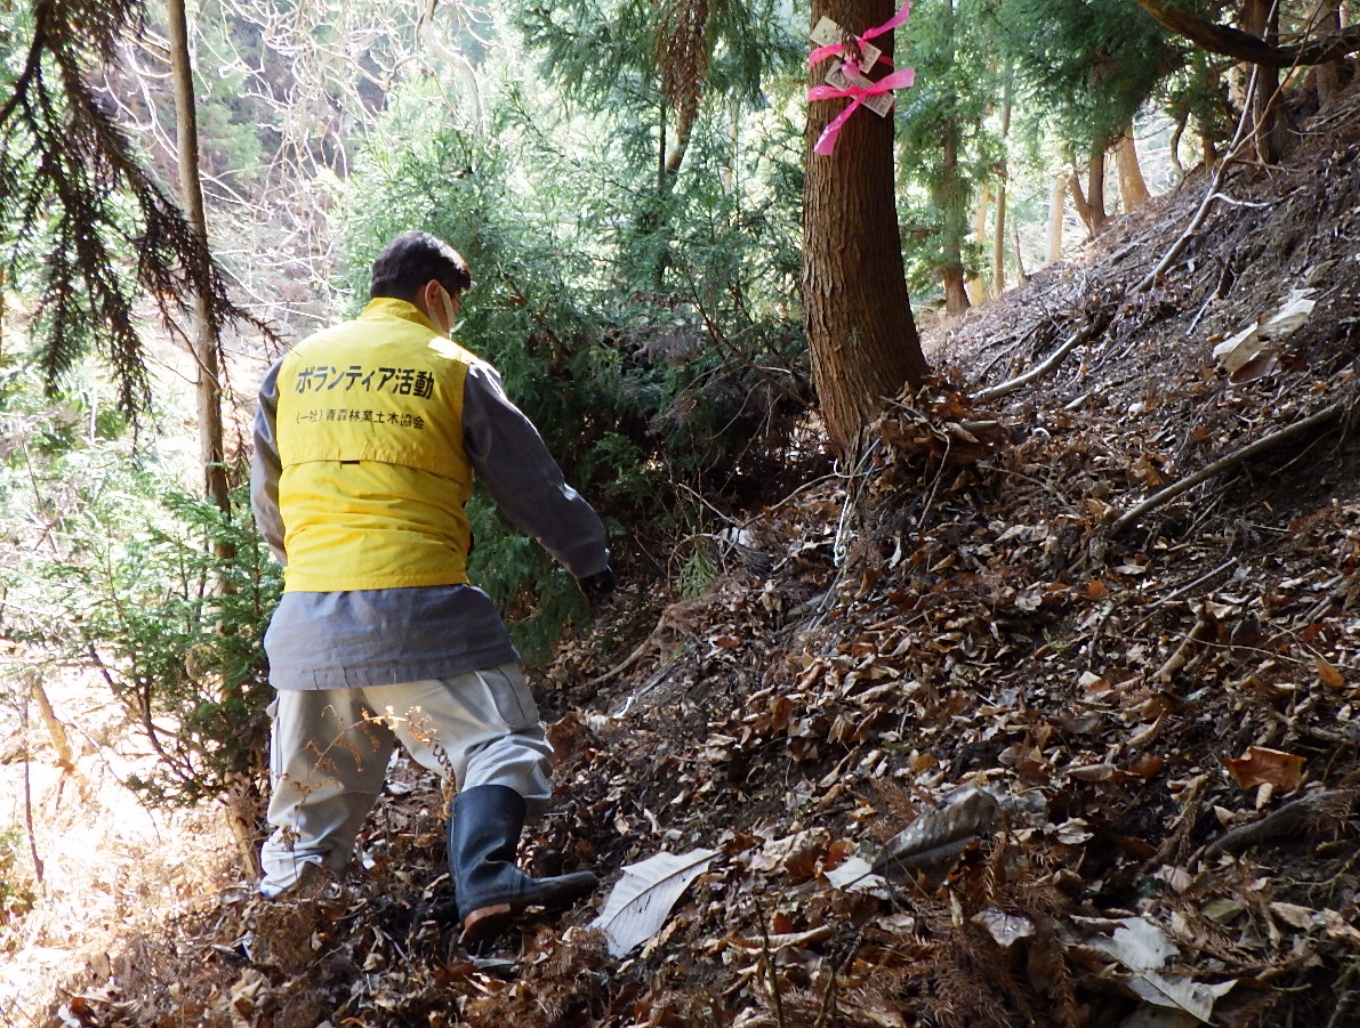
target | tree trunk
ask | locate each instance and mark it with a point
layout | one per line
(949, 200)
(1209, 149)
(1261, 18)
(684, 129)
(654, 220)
(1174, 149)
(1022, 276)
(999, 240)
(203, 341)
(1133, 190)
(949, 197)
(1055, 218)
(1095, 188)
(1079, 200)
(977, 285)
(1327, 18)
(857, 313)
(467, 74)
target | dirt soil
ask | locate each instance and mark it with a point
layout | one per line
(959, 736)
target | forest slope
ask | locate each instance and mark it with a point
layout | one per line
(1128, 748)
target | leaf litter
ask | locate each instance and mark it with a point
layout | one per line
(951, 752)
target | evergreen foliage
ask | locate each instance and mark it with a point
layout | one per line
(110, 562)
(648, 66)
(177, 635)
(78, 208)
(1088, 65)
(633, 52)
(633, 388)
(959, 86)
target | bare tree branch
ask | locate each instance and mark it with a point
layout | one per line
(1231, 42)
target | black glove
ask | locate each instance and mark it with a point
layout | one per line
(597, 587)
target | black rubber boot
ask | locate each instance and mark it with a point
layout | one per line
(491, 888)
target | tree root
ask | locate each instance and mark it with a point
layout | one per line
(1322, 417)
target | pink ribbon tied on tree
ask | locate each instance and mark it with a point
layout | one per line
(857, 91)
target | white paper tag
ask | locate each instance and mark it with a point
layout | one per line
(843, 77)
(827, 33)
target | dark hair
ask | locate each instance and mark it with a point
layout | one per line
(411, 260)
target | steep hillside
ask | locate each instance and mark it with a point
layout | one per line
(1123, 740)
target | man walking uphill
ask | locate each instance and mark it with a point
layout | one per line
(367, 439)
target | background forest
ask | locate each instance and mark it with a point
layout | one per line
(626, 179)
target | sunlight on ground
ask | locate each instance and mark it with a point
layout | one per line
(110, 865)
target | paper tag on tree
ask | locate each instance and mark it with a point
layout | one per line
(827, 33)
(843, 76)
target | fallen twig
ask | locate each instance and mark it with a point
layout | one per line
(1203, 625)
(628, 661)
(1054, 359)
(1015, 345)
(1322, 417)
(1203, 579)
(767, 958)
(658, 676)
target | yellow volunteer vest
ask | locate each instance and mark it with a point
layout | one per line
(370, 436)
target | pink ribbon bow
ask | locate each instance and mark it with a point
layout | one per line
(897, 20)
(826, 143)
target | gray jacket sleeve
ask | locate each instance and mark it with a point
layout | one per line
(265, 467)
(509, 457)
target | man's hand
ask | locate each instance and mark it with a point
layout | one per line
(597, 587)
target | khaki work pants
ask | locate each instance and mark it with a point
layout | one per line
(329, 752)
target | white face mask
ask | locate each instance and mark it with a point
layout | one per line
(450, 310)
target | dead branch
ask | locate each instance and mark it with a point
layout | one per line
(1231, 42)
(1304, 425)
(1054, 359)
(1194, 584)
(631, 659)
(1014, 345)
(61, 741)
(1203, 626)
(767, 959)
(28, 798)
(1239, 140)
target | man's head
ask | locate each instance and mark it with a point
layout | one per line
(424, 271)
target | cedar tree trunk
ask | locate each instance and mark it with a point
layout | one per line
(977, 286)
(857, 314)
(1095, 188)
(1057, 199)
(1002, 174)
(1133, 190)
(1262, 18)
(948, 199)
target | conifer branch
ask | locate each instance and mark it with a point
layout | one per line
(85, 210)
(1231, 42)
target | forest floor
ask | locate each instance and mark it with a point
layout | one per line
(958, 737)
